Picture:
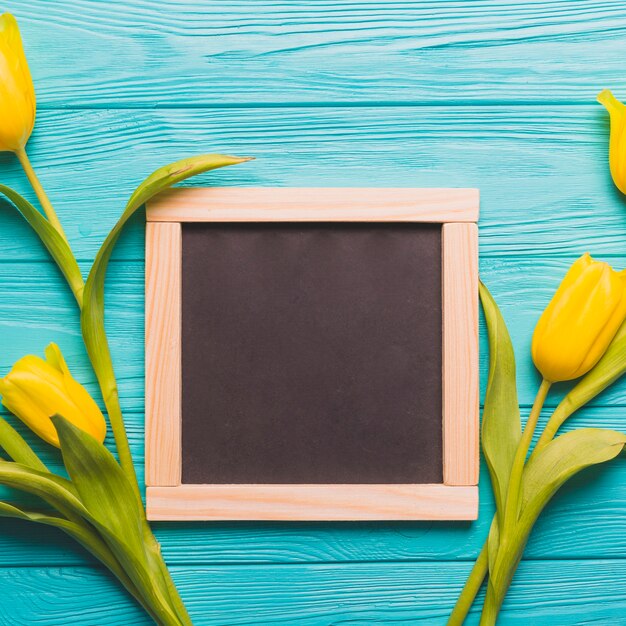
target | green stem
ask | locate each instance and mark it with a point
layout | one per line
(494, 600)
(153, 550)
(39, 190)
(94, 545)
(561, 413)
(471, 589)
(114, 411)
(500, 582)
(491, 608)
(107, 387)
(515, 479)
(161, 599)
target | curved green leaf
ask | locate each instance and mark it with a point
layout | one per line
(107, 494)
(82, 534)
(16, 447)
(92, 318)
(51, 239)
(55, 490)
(543, 475)
(92, 314)
(501, 426)
(102, 486)
(563, 457)
(59, 493)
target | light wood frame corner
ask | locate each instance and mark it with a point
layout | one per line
(456, 498)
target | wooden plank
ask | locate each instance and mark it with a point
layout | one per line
(36, 308)
(312, 502)
(544, 593)
(351, 52)
(341, 204)
(546, 211)
(163, 354)
(460, 354)
(584, 521)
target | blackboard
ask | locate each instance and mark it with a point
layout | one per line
(312, 354)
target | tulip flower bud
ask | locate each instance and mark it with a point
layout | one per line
(581, 320)
(17, 94)
(617, 142)
(35, 390)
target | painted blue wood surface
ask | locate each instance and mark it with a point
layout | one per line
(495, 95)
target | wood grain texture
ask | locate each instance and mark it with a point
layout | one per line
(163, 354)
(584, 521)
(559, 593)
(338, 503)
(460, 354)
(532, 202)
(319, 204)
(498, 96)
(195, 53)
(36, 308)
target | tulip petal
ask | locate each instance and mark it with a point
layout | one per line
(17, 92)
(580, 321)
(35, 389)
(28, 411)
(55, 358)
(617, 141)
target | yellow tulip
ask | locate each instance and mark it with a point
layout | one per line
(17, 93)
(35, 390)
(581, 320)
(617, 142)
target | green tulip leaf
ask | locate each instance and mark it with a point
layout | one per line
(51, 239)
(92, 314)
(501, 427)
(30, 469)
(561, 459)
(57, 491)
(102, 486)
(86, 536)
(92, 318)
(107, 494)
(82, 533)
(148, 571)
(14, 445)
(543, 475)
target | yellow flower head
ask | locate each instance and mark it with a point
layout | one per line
(581, 320)
(617, 142)
(35, 390)
(17, 93)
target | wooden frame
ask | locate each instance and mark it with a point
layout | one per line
(455, 499)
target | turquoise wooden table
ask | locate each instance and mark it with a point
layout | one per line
(495, 95)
